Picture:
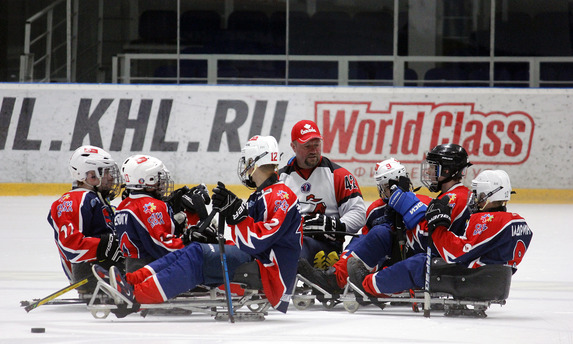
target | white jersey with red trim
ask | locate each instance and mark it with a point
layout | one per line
(145, 227)
(330, 189)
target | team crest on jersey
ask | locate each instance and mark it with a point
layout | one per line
(480, 228)
(305, 187)
(65, 207)
(487, 218)
(64, 197)
(155, 219)
(149, 208)
(281, 204)
(282, 194)
(319, 205)
(452, 197)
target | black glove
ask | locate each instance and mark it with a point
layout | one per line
(205, 236)
(392, 217)
(174, 199)
(402, 182)
(201, 189)
(229, 205)
(322, 223)
(125, 194)
(180, 222)
(439, 214)
(108, 249)
(195, 203)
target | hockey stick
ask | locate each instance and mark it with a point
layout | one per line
(221, 239)
(54, 295)
(427, 299)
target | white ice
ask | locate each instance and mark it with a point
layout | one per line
(538, 310)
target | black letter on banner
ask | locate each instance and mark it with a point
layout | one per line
(5, 118)
(258, 118)
(21, 141)
(158, 143)
(87, 124)
(123, 122)
(220, 126)
(279, 119)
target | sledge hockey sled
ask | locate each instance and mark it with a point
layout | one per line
(457, 290)
(210, 301)
(307, 293)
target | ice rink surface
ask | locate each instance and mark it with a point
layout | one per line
(539, 308)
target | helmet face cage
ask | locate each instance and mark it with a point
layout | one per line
(243, 172)
(431, 170)
(109, 189)
(489, 186)
(90, 158)
(447, 160)
(165, 184)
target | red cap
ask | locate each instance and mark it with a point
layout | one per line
(305, 130)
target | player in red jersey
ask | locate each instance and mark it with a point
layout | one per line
(386, 238)
(329, 194)
(82, 218)
(443, 170)
(152, 220)
(492, 236)
(267, 228)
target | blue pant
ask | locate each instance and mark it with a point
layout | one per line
(403, 275)
(375, 247)
(184, 269)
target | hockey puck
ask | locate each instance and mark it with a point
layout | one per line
(38, 330)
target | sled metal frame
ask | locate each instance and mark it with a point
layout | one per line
(211, 302)
(304, 296)
(439, 301)
(352, 298)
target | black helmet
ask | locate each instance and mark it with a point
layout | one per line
(449, 161)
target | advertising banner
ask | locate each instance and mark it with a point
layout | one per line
(198, 131)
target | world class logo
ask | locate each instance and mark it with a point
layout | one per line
(354, 132)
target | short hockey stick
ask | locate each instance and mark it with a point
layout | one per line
(57, 293)
(221, 238)
(427, 299)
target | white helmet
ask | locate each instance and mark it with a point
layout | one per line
(387, 170)
(146, 172)
(90, 158)
(490, 186)
(258, 151)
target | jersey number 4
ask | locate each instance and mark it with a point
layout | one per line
(350, 182)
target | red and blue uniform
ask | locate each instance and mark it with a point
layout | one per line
(375, 215)
(271, 234)
(376, 247)
(497, 237)
(417, 238)
(79, 218)
(145, 227)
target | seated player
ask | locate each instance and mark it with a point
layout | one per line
(492, 236)
(147, 226)
(386, 239)
(267, 228)
(82, 218)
